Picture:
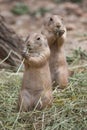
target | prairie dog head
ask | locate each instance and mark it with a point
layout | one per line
(53, 23)
(36, 42)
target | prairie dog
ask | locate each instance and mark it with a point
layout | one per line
(55, 32)
(36, 90)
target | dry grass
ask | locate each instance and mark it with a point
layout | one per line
(69, 109)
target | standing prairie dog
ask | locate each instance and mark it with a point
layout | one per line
(55, 32)
(36, 90)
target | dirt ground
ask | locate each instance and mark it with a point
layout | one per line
(74, 15)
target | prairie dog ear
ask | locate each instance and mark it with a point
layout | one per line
(46, 19)
(45, 43)
(44, 36)
(61, 17)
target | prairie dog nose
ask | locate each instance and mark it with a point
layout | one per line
(58, 26)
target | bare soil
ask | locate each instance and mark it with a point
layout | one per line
(74, 15)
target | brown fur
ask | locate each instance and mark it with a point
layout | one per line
(55, 32)
(36, 88)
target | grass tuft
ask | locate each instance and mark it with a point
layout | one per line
(69, 109)
(20, 9)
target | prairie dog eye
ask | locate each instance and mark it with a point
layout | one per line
(38, 38)
(28, 45)
(51, 19)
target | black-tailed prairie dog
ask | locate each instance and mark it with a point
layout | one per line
(36, 91)
(55, 32)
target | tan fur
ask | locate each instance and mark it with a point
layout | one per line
(36, 88)
(55, 32)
